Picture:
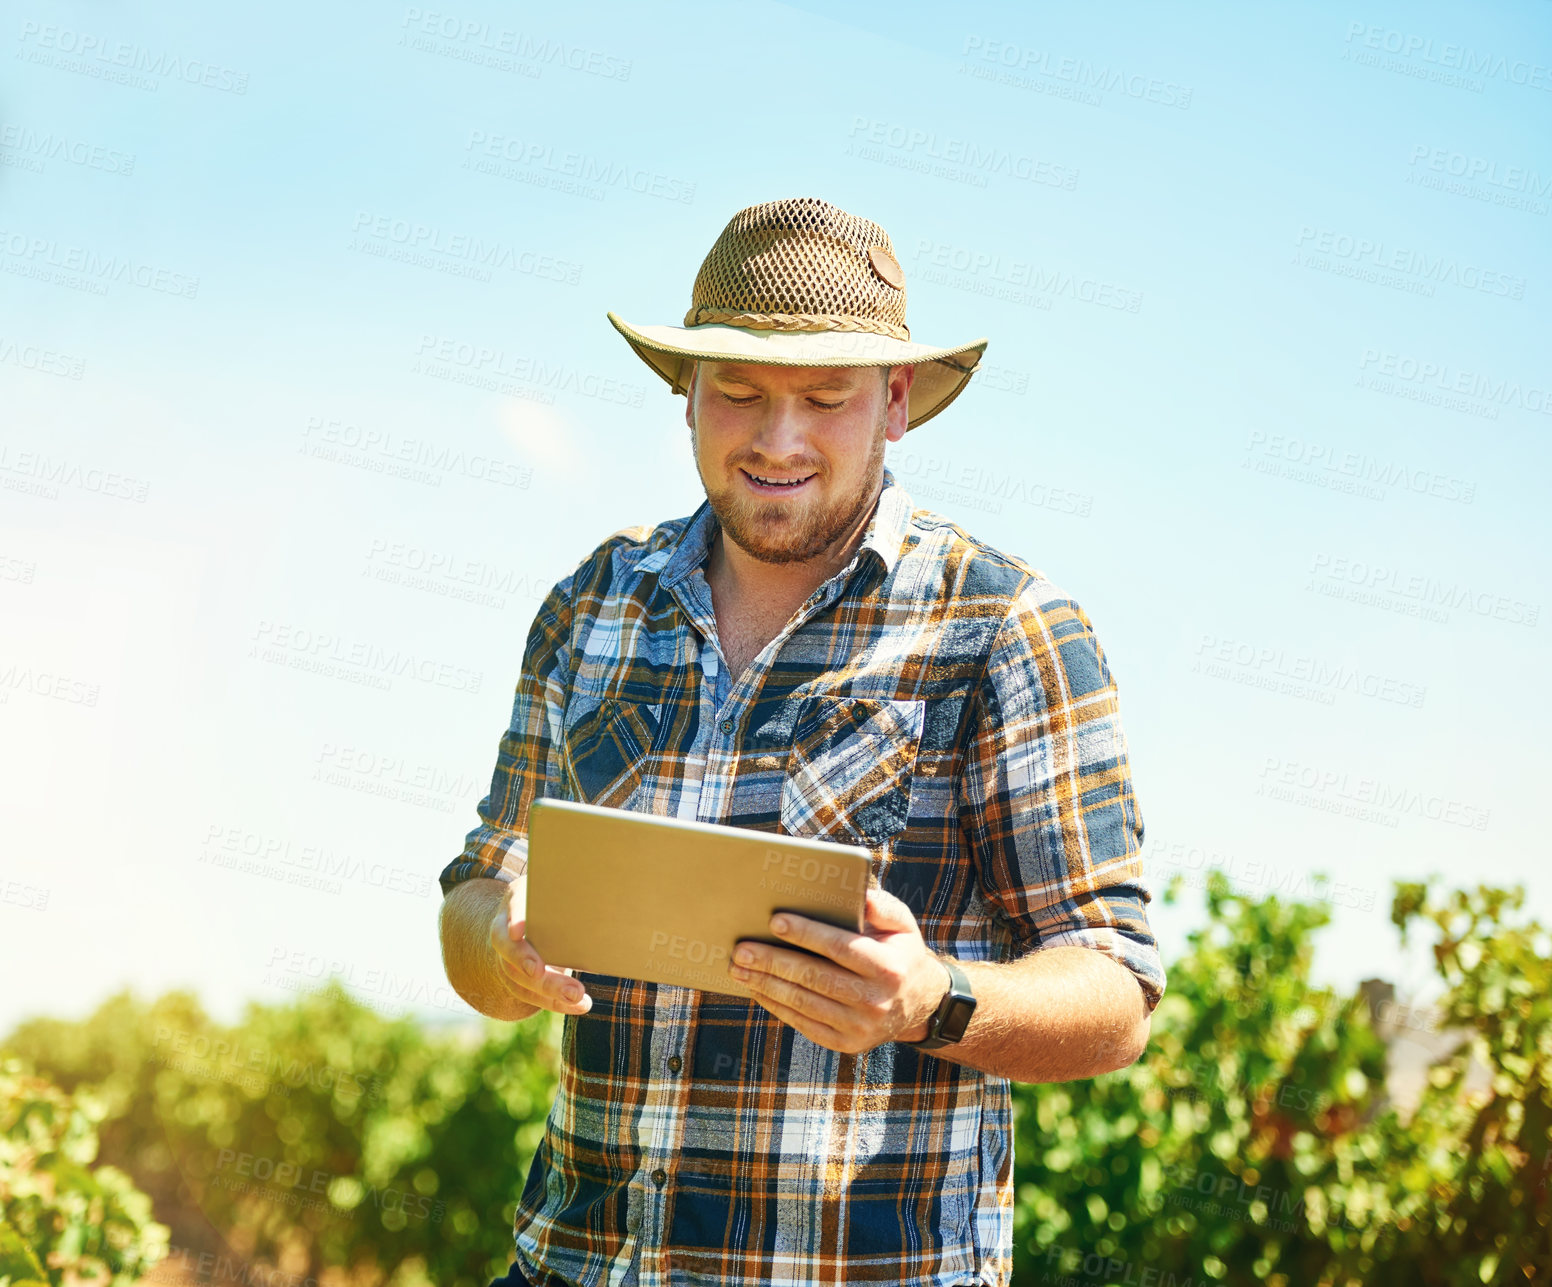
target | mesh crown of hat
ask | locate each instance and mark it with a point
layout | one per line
(800, 264)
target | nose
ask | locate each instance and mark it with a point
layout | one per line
(780, 435)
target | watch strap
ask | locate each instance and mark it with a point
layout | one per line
(959, 999)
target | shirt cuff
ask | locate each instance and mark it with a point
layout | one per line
(1141, 958)
(488, 852)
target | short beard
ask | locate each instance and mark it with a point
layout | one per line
(815, 532)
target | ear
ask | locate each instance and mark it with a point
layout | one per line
(689, 392)
(897, 413)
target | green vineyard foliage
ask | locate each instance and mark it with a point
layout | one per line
(321, 1144)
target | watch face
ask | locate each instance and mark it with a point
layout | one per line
(957, 1019)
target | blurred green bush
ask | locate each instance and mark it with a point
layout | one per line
(315, 1140)
(1254, 1142)
(61, 1218)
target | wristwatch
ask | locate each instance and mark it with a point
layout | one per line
(948, 1022)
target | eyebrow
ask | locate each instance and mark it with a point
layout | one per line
(834, 383)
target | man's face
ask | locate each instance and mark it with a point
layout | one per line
(792, 457)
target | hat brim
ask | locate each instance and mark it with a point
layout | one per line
(941, 374)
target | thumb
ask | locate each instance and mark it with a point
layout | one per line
(517, 912)
(886, 912)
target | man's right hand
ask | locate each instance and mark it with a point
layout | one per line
(527, 977)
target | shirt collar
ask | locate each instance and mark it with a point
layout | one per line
(885, 534)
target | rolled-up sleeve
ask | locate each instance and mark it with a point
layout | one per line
(528, 763)
(1047, 796)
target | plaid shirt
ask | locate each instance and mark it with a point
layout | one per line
(936, 701)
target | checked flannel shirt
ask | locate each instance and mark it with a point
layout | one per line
(936, 701)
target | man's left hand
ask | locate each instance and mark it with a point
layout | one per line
(877, 986)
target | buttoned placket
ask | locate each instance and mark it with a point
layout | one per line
(727, 703)
(723, 706)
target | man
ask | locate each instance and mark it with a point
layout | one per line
(808, 654)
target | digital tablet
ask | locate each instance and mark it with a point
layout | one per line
(663, 900)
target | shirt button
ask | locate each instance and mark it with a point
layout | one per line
(660, 1177)
(675, 1063)
(726, 726)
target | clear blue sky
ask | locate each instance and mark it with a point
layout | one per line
(302, 329)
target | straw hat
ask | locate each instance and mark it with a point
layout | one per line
(802, 283)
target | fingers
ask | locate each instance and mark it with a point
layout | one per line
(854, 952)
(819, 1033)
(884, 911)
(825, 1022)
(857, 992)
(822, 994)
(800, 972)
(526, 974)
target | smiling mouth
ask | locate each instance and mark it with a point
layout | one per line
(766, 482)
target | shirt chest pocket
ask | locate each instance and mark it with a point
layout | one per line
(607, 749)
(850, 768)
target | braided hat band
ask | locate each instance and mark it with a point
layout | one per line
(801, 282)
(793, 322)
